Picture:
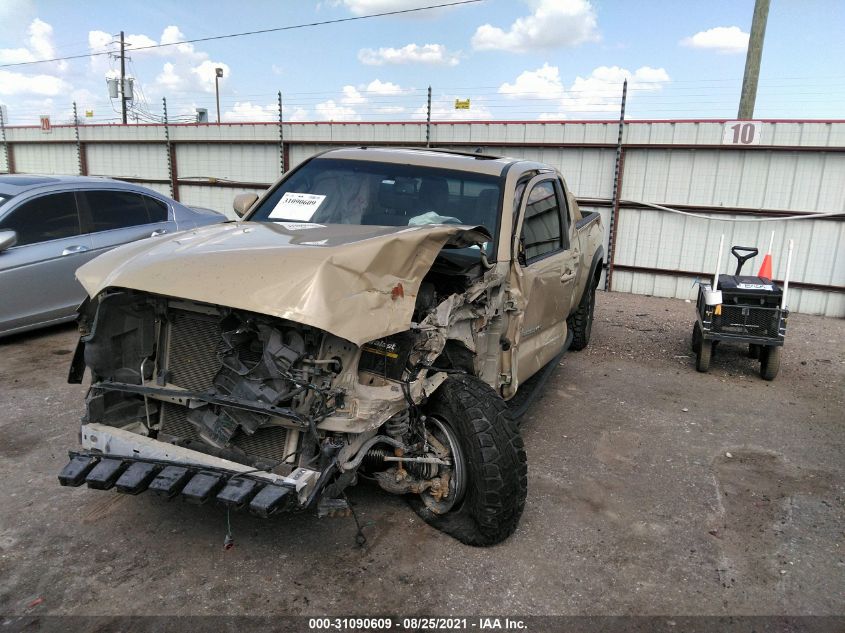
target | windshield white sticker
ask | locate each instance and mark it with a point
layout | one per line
(300, 226)
(297, 206)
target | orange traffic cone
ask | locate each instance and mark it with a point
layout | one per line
(766, 268)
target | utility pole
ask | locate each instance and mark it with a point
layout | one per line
(122, 78)
(752, 60)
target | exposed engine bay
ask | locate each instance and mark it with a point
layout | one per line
(255, 403)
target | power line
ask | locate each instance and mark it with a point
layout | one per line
(258, 32)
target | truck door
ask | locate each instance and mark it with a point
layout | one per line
(545, 272)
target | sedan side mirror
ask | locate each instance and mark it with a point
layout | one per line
(242, 203)
(7, 239)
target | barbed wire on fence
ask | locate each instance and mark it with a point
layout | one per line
(783, 98)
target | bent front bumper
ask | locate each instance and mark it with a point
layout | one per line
(132, 463)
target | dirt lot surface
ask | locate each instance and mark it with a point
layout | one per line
(653, 489)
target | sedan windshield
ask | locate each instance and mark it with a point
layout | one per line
(336, 191)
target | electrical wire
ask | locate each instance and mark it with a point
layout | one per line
(256, 32)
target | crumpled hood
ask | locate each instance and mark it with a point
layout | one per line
(356, 282)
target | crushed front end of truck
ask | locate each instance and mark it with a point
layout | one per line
(194, 399)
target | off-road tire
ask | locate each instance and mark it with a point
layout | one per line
(494, 458)
(695, 340)
(703, 355)
(581, 321)
(770, 362)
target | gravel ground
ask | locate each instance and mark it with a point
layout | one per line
(653, 489)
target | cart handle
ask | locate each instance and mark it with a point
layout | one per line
(741, 259)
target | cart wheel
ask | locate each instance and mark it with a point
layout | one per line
(753, 351)
(702, 356)
(770, 362)
(696, 337)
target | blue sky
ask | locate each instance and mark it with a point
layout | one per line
(514, 59)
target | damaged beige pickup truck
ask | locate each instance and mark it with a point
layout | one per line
(370, 316)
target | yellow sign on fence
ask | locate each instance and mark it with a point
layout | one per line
(461, 104)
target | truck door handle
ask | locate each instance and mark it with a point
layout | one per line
(566, 276)
(158, 232)
(77, 248)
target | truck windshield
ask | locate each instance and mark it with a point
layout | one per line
(337, 191)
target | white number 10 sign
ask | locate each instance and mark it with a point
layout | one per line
(742, 133)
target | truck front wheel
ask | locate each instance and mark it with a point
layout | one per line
(489, 475)
(581, 321)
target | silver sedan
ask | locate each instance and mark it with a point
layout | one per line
(51, 225)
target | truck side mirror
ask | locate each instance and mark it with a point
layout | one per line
(7, 239)
(242, 203)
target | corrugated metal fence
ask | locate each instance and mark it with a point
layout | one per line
(797, 167)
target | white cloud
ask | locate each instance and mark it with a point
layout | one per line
(168, 77)
(247, 111)
(541, 83)
(140, 41)
(14, 83)
(298, 114)
(40, 46)
(601, 91)
(351, 96)
(435, 54)
(722, 39)
(172, 34)
(15, 55)
(205, 73)
(390, 109)
(332, 111)
(378, 87)
(366, 7)
(553, 24)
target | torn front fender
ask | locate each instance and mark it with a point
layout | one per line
(357, 282)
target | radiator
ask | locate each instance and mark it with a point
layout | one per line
(192, 363)
(192, 360)
(268, 442)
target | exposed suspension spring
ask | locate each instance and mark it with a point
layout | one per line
(374, 458)
(399, 424)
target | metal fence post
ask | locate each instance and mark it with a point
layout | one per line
(79, 157)
(428, 120)
(281, 139)
(5, 142)
(171, 156)
(617, 192)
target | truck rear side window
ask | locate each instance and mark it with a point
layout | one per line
(541, 228)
